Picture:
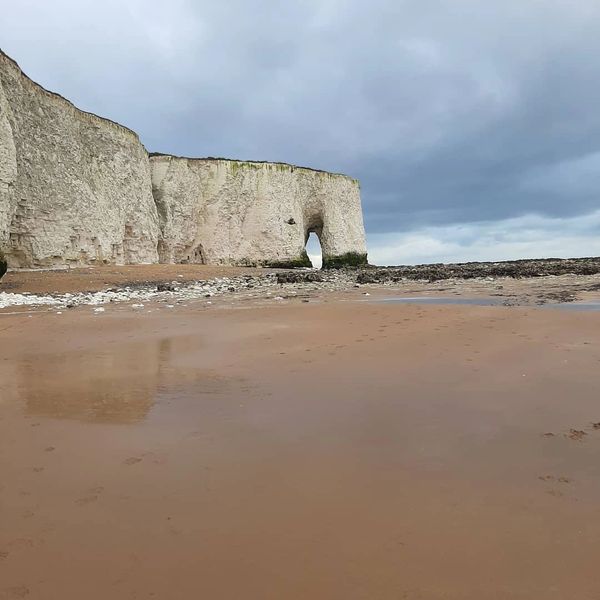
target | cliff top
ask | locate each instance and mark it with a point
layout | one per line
(249, 162)
(94, 116)
(60, 98)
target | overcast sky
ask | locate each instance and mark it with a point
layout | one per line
(473, 125)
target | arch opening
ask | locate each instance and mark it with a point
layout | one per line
(314, 250)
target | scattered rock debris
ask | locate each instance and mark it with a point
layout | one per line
(301, 277)
(523, 283)
(176, 291)
(489, 270)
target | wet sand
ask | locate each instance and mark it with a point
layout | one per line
(333, 450)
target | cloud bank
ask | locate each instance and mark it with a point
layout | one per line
(470, 124)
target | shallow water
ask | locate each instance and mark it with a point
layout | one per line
(483, 301)
(590, 305)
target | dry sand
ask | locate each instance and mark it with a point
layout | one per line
(340, 449)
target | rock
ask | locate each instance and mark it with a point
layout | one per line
(299, 277)
(165, 287)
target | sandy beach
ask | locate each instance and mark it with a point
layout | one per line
(339, 448)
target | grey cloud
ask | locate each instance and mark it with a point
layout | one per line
(448, 111)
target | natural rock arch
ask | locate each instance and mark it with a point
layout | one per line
(250, 213)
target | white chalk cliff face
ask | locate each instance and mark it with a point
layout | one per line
(76, 189)
(234, 212)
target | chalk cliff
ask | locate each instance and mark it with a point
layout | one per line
(78, 189)
(74, 188)
(238, 212)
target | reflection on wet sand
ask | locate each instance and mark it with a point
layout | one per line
(115, 384)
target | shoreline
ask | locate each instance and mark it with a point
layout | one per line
(176, 284)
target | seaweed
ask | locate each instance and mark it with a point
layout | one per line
(349, 259)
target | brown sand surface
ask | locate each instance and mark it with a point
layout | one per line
(93, 279)
(335, 450)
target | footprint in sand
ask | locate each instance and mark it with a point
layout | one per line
(92, 495)
(86, 500)
(132, 460)
(20, 543)
(19, 591)
(552, 478)
(576, 434)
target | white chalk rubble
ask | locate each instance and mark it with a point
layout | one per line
(247, 285)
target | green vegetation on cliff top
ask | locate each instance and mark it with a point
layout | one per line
(237, 165)
(350, 259)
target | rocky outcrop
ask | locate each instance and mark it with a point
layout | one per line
(78, 189)
(518, 269)
(74, 188)
(219, 211)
